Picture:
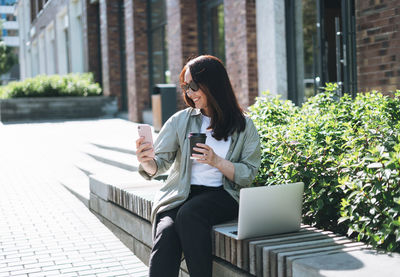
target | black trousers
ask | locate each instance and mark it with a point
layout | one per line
(187, 228)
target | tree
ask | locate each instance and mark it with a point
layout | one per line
(7, 56)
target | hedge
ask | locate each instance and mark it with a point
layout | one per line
(346, 151)
(51, 86)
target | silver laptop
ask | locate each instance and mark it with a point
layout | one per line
(269, 210)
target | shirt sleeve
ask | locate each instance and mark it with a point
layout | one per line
(165, 148)
(247, 167)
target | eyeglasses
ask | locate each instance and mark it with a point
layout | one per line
(192, 85)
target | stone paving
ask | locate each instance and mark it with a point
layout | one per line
(44, 229)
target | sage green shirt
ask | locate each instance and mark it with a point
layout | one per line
(172, 148)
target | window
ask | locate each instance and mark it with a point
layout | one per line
(50, 49)
(13, 33)
(211, 28)
(76, 36)
(312, 44)
(7, 2)
(11, 17)
(62, 42)
(121, 27)
(66, 41)
(158, 58)
(42, 54)
(35, 59)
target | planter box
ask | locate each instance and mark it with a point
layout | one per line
(39, 108)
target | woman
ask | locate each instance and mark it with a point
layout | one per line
(202, 191)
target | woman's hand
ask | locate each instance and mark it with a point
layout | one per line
(208, 155)
(145, 155)
(144, 152)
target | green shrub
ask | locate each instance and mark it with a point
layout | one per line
(53, 85)
(347, 152)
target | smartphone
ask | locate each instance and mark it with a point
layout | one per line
(144, 130)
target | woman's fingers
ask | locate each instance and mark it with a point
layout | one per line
(198, 156)
(142, 146)
(145, 156)
(202, 145)
(207, 155)
(139, 141)
(145, 159)
(200, 150)
(143, 150)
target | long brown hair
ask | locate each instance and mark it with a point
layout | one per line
(211, 76)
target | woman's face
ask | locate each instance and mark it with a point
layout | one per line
(198, 97)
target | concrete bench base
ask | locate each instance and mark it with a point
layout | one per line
(124, 206)
(135, 233)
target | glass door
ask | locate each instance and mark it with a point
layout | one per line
(157, 43)
(211, 28)
(318, 49)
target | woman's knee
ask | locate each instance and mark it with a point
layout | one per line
(188, 217)
(165, 232)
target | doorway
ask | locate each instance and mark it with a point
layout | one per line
(320, 36)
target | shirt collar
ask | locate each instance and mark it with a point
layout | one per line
(195, 112)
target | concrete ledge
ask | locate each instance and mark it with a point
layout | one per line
(128, 191)
(132, 224)
(126, 205)
(133, 230)
(37, 108)
(351, 264)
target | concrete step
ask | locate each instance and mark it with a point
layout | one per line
(116, 157)
(79, 187)
(110, 156)
(77, 182)
(116, 148)
(108, 162)
(91, 166)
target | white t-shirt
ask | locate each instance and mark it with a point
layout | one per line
(204, 174)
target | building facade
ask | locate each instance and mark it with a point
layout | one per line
(289, 47)
(51, 37)
(9, 34)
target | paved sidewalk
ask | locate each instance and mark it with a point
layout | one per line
(44, 229)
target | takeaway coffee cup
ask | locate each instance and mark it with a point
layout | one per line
(196, 138)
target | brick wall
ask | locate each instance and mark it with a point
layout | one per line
(91, 36)
(182, 39)
(136, 58)
(378, 45)
(241, 49)
(110, 48)
(251, 51)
